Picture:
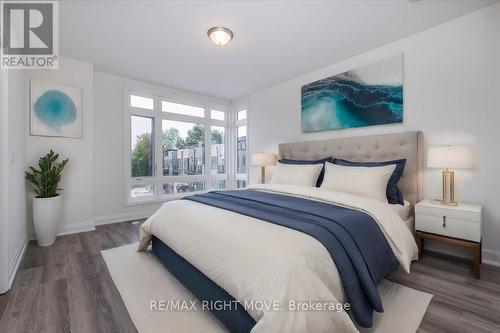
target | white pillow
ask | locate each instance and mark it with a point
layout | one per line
(368, 182)
(296, 174)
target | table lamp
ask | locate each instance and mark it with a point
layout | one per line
(449, 157)
(263, 160)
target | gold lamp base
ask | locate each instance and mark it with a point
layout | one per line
(444, 203)
(448, 189)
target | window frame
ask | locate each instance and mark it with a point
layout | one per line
(157, 179)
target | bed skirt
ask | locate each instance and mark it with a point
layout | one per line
(235, 319)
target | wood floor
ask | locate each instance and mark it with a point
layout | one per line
(67, 288)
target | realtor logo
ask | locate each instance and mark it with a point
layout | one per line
(29, 34)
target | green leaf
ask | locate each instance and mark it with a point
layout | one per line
(45, 180)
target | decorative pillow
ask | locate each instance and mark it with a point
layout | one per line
(368, 182)
(321, 161)
(394, 194)
(296, 174)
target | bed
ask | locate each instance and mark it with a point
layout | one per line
(221, 248)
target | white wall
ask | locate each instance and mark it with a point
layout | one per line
(17, 226)
(109, 143)
(451, 93)
(13, 201)
(78, 176)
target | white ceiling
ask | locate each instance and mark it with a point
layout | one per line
(166, 42)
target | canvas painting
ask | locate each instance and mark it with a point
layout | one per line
(366, 96)
(56, 110)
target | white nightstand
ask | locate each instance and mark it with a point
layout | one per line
(458, 225)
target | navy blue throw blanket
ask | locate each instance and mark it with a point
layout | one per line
(353, 239)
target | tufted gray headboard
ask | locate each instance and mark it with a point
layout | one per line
(373, 148)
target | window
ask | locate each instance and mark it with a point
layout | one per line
(141, 146)
(142, 191)
(242, 115)
(217, 115)
(217, 153)
(186, 110)
(141, 102)
(218, 184)
(185, 187)
(241, 149)
(173, 148)
(183, 148)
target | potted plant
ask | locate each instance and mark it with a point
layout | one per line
(47, 203)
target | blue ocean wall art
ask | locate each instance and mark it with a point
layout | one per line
(366, 96)
(55, 110)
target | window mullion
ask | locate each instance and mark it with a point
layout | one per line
(158, 167)
(208, 148)
(230, 147)
(226, 154)
(180, 117)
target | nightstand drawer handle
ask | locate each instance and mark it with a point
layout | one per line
(444, 221)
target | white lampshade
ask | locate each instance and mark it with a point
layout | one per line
(451, 157)
(263, 159)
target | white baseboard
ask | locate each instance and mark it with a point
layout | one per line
(67, 229)
(116, 218)
(16, 261)
(74, 228)
(491, 257)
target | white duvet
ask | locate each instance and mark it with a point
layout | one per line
(259, 261)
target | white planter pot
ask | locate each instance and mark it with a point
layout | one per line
(46, 213)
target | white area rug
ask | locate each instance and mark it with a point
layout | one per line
(140, 278)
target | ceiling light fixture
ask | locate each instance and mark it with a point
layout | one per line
(220, 35)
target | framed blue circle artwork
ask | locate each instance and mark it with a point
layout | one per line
(55, 110)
